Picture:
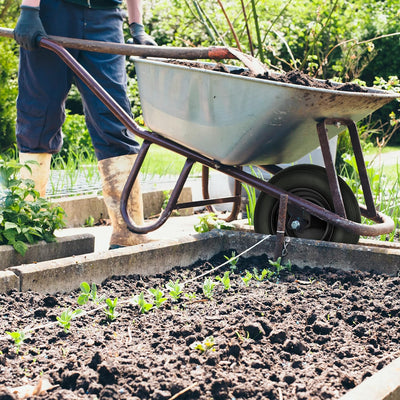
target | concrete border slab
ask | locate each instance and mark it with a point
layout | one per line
(42, 251)
(146, 259)
(8, 281)
(160, 256)
(384, 385)
(79, 208)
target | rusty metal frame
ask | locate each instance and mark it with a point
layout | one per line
(236, 199)
(384, 224)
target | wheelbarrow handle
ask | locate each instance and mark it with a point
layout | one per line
(188, 53)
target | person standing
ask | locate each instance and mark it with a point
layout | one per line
(44, 81)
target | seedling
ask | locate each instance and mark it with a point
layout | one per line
(175, 289)
(241, 337)
(190, 296)
(247, 278)
(208, 287)
(158, 297)
(265, 274)
(142, 303)
(89, 293)
(203, 347)
(232, 260)
(225, 280)
(110, 309)
(278, 265)
(66, 317)
(18, 337)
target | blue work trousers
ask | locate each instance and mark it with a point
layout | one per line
(45, 80)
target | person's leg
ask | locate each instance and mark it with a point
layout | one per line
(115, 146)
(44, 81)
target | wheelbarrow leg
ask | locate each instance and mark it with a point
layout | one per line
(330, 170)
(370, 211)
(280, 231)
(362, 171)
(237, 199)
(172, 202)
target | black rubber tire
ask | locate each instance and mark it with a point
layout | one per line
(309, 182)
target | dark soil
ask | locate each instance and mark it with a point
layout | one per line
(305, 334)
(294, 77)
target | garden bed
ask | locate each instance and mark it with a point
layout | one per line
(305, 333)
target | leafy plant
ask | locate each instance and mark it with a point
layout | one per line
(278, 265)
(209, 222)
(25, 217)
(89, 293)
(247, 278)
(175, 289)
(18, 337)
(158, 297)
(8, 92)
(232, 260)
(265, 274)
(109, 310)
(251, 196)
(203, 347)
(89, 221)
(225, 280)
(208, 287)
(144, 306)
(190, 296)
(66, 317)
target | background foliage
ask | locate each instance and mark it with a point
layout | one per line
(330, 39)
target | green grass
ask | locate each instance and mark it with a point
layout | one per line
(161, 162)
(385, 186)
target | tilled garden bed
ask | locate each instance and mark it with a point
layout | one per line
(301, 334)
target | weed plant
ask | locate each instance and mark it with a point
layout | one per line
(208, 344)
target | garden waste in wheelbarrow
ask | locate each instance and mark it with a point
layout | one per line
(240, 120)
(225, 122)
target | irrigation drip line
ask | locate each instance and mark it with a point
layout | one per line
(226, 262)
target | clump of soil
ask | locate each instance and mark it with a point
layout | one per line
(302, 334)
(294, 77)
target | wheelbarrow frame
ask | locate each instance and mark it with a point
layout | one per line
(383, 223)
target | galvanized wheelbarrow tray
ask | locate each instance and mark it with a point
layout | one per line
(225, 122)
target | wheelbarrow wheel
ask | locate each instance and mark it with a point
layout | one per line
(310, 182)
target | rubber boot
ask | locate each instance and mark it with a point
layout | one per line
(114, 173)
(40, 172)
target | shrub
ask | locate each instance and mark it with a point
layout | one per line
(22, 220)
(8, 92)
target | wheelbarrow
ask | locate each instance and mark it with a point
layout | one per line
(225, 121)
